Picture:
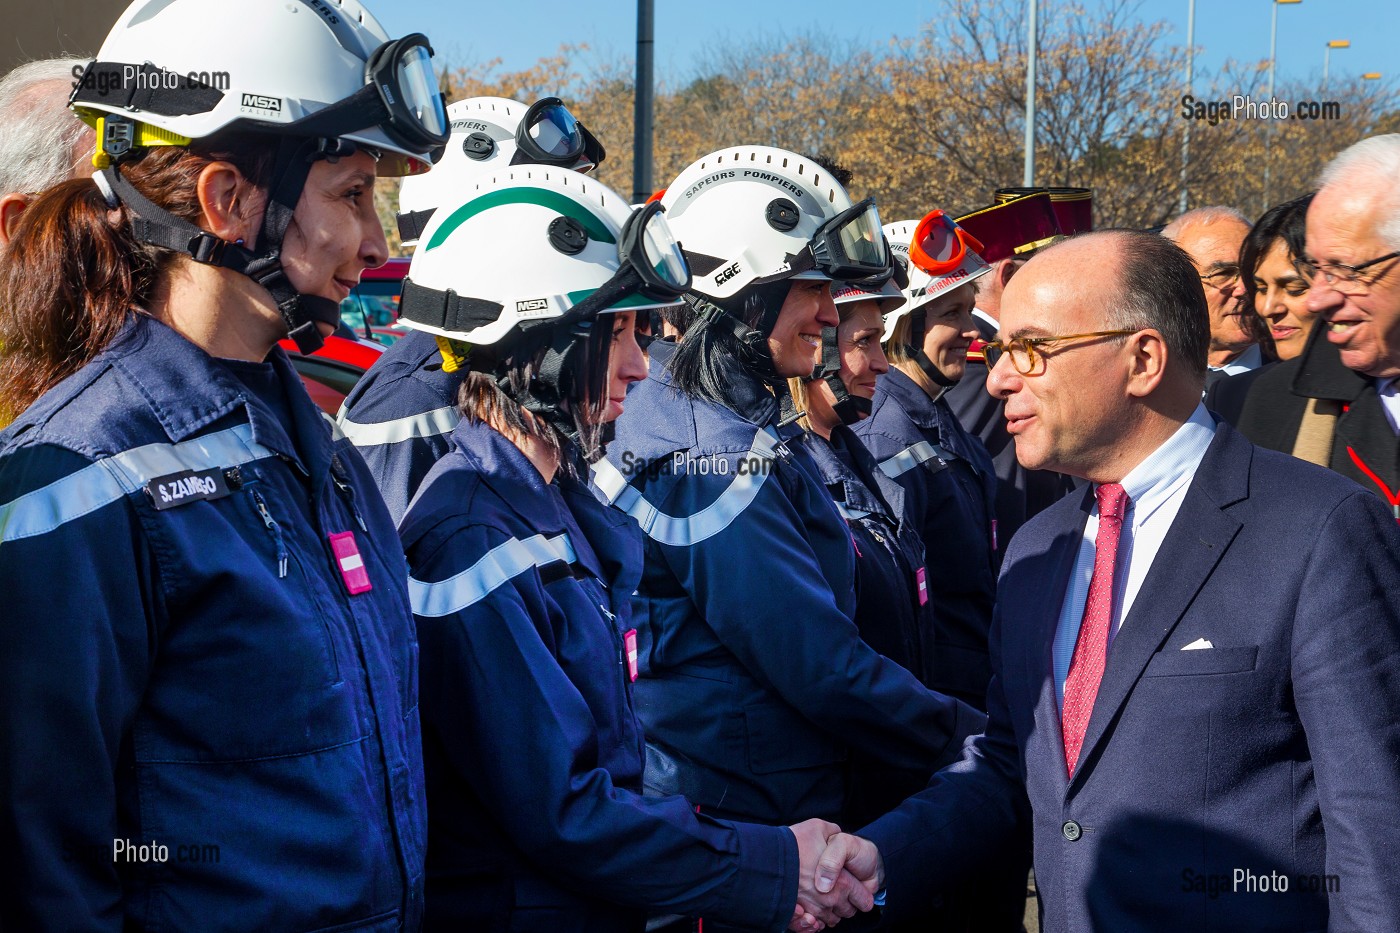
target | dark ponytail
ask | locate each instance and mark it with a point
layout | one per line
(74, 272)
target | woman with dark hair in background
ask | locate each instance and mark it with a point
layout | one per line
(1278, 294)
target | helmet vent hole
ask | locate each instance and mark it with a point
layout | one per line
(478, 146)
(567, 235)
(782, 214)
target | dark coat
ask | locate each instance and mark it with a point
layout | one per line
(1274, 751)
(1363, 435)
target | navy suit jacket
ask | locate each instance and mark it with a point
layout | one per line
(1275, 754)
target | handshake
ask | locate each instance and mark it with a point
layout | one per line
(840, 875)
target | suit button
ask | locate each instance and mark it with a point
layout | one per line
(1072, 830)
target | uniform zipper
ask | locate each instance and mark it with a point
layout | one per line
(275, 530)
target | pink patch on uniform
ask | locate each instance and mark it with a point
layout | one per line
(994, 534)
(922, 577)
(629, 640)
(352, 565)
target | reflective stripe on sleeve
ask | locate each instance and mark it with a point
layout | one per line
(687, 530)
(428, 424)
(912, 456)
(495, 567)
(107, 480)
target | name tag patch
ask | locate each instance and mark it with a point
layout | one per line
(352, 565)
(629, 641)
(166, 492)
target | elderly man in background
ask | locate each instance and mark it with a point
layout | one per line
(1212, 237)
(1336, 404)
(41, 142)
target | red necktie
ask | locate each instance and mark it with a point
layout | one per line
(1091, 648)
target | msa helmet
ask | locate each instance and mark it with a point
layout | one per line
(488, 134)
(851, 408)
(319, 78)
(533, 249)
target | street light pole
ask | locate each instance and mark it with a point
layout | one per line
(1327, 54)
(1190, 63)
(1269, 133)
(1028, 176)
(643, 112)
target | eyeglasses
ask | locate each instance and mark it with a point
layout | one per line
(1342, 277)
(1024, 355)
(1223, 275)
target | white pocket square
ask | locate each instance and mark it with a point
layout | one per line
(1198, 644)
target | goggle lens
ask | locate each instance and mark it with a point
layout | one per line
(417, 82)
(662, 253)
(556, 132)
(863, 241)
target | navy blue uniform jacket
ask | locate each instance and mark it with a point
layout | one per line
(754, 677)
(401, 414)
(894, 614)
(950, 499)
(1275, 751)
(200, 675)
(534, 753)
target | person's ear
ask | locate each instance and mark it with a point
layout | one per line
(1147, 362)
(225, 200)
(1006, 269)
(11, 207)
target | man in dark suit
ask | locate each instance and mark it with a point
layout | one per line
(1196, 663)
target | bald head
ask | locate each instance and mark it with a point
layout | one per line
(1128, 364)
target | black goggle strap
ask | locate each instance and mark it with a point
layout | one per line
(413, 223)
(362, 110)
(445, 310)
(148, 94)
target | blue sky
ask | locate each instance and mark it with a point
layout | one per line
(521, 32)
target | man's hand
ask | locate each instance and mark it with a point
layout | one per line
(845, 856)
(843, 895)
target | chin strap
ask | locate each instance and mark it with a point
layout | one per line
(917, 325)
(155, 225)
(849, 408)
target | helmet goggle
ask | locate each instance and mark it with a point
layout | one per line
(651, 267)
(550, 135)
(939, 245)
(851, 245)
(400, 97)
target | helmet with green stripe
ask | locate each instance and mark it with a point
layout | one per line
(534, 247)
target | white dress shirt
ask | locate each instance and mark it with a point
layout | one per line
(1156, 488)
(1251, 358)
(1390, 401)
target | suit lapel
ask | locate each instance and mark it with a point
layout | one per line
(1189, 554)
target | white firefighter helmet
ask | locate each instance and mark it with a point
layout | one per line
(754, 214)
